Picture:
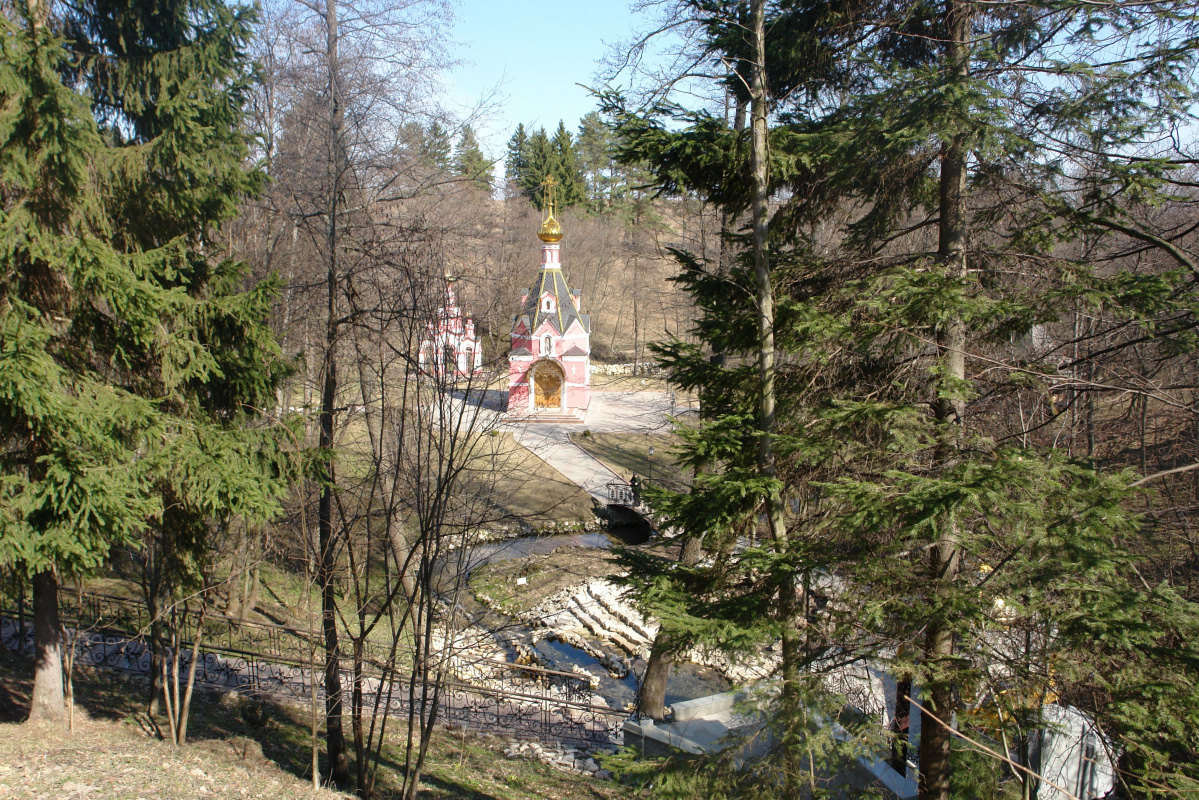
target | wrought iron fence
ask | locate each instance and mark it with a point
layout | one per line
(255, 659)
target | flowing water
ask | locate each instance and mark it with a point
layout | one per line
(687, 681)
(494, 552)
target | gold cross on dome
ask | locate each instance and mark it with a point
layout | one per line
(548, 192)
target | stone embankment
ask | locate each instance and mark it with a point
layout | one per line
(574, 760)
(643, 368)
(595, 611)
(597, 618)
(513, 532)
(598, 609)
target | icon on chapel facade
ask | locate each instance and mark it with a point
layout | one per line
(451, 345)
(549, 364)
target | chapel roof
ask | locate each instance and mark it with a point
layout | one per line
(553, 282)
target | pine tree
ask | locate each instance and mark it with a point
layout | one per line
(128, 353)
(517, 161)
(539, 163)
(469, 161)
(903, 479)
(564, 166)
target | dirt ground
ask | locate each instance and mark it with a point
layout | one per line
(114, 753)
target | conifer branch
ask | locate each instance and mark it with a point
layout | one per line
(924, 712)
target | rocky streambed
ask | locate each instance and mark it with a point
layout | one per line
(563, 613)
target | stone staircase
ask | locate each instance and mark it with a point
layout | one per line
(542, 417)
(597, 611)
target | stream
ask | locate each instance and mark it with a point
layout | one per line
(687, 681)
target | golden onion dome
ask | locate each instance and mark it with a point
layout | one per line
(550, 230)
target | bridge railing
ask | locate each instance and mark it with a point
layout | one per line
(621, 494)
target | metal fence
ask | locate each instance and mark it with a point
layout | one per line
(275, 661)
(621, 494)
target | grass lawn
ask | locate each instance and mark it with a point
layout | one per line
(525, 487)
(626, 453)
(237, 750)
(512, 485)
(544, 574)
(631, 383)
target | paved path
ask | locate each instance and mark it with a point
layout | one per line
(551, 443)
(610, 412)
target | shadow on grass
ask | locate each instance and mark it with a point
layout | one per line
(106, 695)
(626, 453)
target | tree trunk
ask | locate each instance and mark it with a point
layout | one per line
(185, 706)
(759, 166)
(356, 721)
(949, 409)
(636, 320)
(653, 683)
(727, 253)
(903, 716)
(48, 701)
(152, 581)
(255, 583)
(652, 695)
(788, 607)
(728, 220)
(339, 765)
(22, 636)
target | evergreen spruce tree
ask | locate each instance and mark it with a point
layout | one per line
(469, 161)
(517, 161)
(437, 148)
(429, 148)
(539, 163)
(594, 144)
(534, 157)
(565, 167)
(129, 353)
(912, 512)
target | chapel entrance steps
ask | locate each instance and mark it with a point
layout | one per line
(597, 611)
(575, 416)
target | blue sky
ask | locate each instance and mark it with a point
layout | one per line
(537, 51)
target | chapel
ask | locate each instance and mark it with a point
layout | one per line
(549, 375)
(451, 345)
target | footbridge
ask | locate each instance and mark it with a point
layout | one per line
(626, 508)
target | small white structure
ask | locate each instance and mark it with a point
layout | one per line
(1072, 755)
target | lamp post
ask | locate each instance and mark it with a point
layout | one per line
(650, 477)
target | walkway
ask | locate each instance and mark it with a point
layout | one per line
(610, 412)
